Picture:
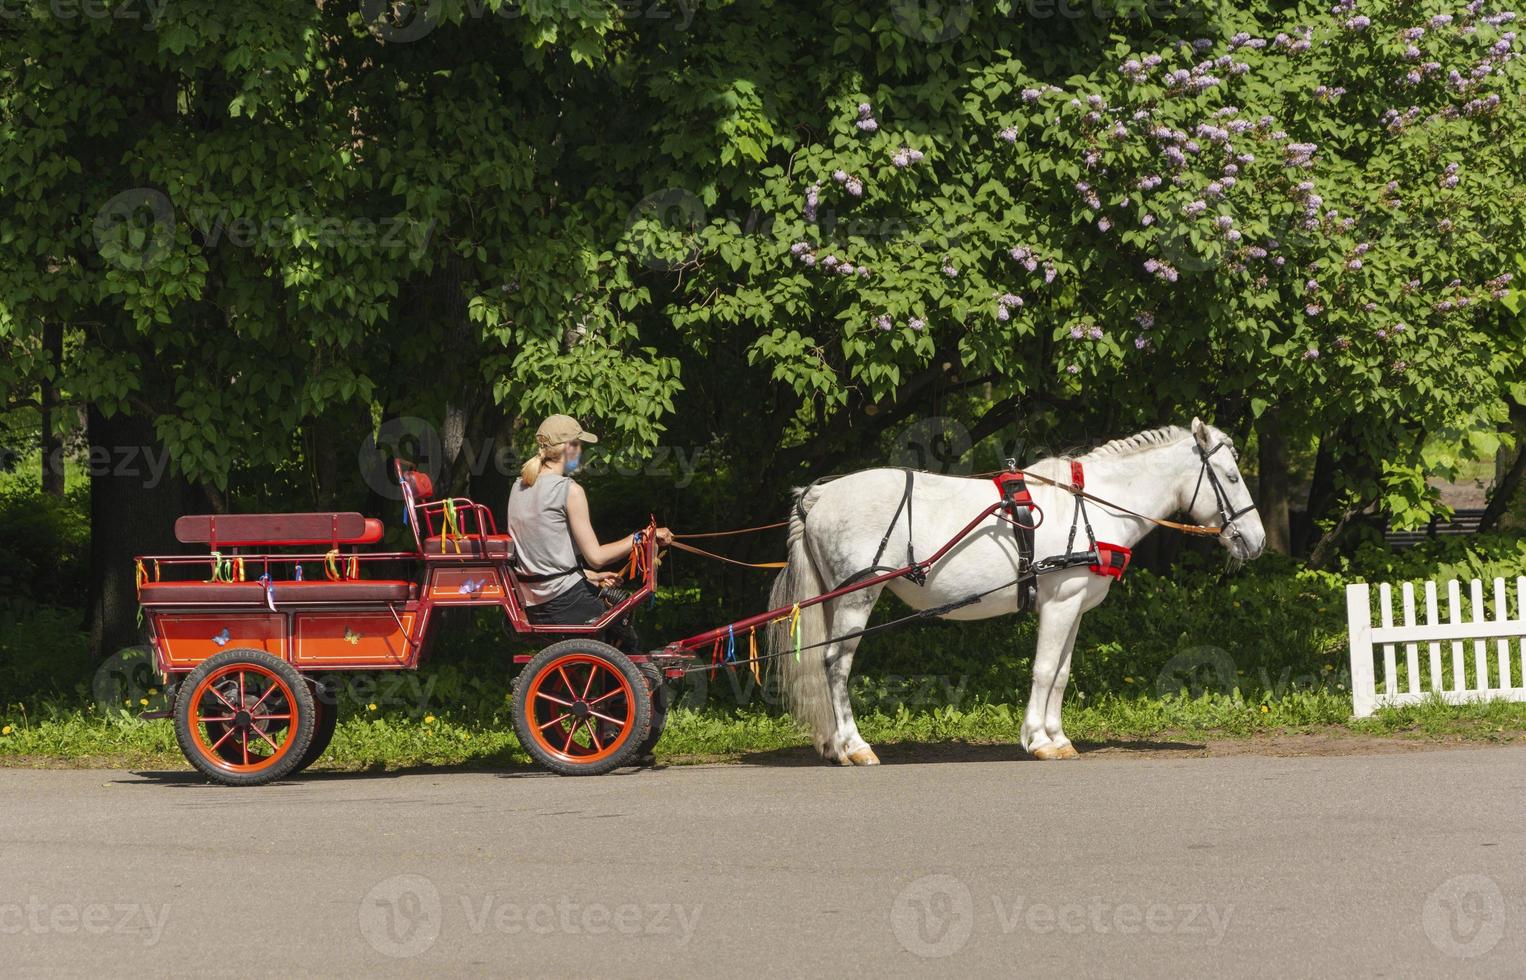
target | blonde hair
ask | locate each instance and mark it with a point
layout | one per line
(530, 472)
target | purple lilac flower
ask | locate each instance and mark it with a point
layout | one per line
(1145, 319)
(1441, 20)
(1312, 354)
(1224, 221)
(1049, 273)
(1010, 299)
(1147, 220)
(1002, 314)
(855, 187)
(884, 322)
(1009, 134)
(1072, 369)
(1354, 265)
(950, 271)
(1094, 332)
(1141, 342)
(1076, 332)
(1031, 94)
(916, 323)
(1359, 23)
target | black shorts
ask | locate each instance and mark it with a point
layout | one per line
(579, 606)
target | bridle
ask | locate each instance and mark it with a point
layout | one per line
(1227, 515)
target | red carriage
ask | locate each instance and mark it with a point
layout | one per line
(243, 648)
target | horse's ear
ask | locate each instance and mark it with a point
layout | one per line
(1200, 432)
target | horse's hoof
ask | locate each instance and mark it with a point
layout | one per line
(1068, 751)
(1047, 752)
(863, 757)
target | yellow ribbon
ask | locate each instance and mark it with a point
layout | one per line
(794, 629)
(451, 532)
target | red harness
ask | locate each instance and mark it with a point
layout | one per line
(1103, 558)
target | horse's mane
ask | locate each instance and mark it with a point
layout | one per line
(1140, 441)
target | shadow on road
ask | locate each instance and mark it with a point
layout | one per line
(923, 753)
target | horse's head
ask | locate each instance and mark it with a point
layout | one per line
(1214, 494)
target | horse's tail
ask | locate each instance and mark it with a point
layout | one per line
(806, 694)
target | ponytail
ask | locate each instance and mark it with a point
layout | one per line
(530, 472)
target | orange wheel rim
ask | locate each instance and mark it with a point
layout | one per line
(242, 717)
(580, 708)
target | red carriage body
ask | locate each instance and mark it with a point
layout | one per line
(258, 631)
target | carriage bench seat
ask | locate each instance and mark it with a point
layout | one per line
(285, 530)
(354, 590)
(472, 546)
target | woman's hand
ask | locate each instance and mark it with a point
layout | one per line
(664, 536)
(601, 579)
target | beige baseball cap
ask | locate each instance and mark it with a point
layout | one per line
(560, 429)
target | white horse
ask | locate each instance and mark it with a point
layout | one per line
(836, 532)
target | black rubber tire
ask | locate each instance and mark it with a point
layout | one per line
(662, 699)
(634, 682)
(300, 733)
(327, 707)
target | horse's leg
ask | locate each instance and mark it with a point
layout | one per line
(1059, 616)
(1056, 700)
(848, 614)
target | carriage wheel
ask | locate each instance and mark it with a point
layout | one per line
(323, 730)
(244, 718)
(581, 708)
(662, 699)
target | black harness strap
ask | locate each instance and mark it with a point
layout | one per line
(917, 575)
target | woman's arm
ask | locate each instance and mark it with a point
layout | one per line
(581, 527)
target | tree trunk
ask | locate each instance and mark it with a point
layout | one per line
(1272, 494)
(1321, 493)
(133, 506)
(52, 445)
(1507, 481)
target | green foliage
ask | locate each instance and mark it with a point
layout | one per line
(44, 548)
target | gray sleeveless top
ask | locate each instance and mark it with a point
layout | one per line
(537, 520)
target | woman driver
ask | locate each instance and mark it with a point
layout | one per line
(548, 518)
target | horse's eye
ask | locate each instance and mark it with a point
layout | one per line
(1232, 476)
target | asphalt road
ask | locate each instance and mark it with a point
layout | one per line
(1398, 865)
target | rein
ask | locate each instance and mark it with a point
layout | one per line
(1221, 497)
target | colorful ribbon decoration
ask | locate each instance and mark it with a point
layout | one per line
(450, 533)
(752, 653)
(794, 629)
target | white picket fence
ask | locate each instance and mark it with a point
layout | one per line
(1416, 678)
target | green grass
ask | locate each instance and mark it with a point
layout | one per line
(374, 740)
(1195, 655)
